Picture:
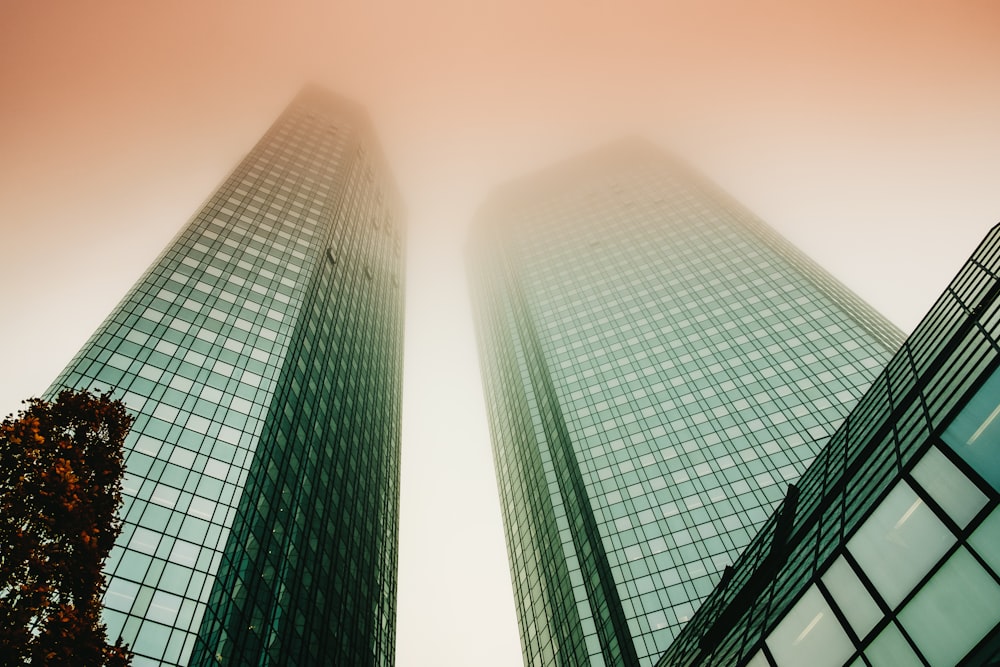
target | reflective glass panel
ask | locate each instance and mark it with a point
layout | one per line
(975, 431)
(949, 486)
(852, 598)
(953, 611)
(890, 649)
(986, 540)
(810, 634)
(899, 543)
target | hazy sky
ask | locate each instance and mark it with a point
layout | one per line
(865, 132)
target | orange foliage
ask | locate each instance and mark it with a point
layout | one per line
(61, 465)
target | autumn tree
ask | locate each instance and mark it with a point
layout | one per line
(60, 489)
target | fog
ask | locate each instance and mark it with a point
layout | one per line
(866, 133)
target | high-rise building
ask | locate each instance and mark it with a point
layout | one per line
(887, 550)
(658, 365)
(261, 357)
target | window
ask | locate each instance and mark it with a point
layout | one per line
(975, 431)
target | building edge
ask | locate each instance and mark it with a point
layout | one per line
(894, 442)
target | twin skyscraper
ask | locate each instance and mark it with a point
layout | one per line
(262, 357)
(660, 370)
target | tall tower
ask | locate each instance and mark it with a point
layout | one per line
(658, 365)
(261, 356)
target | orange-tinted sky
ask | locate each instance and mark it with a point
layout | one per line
(866, 132)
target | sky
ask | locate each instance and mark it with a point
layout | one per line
(864, 132)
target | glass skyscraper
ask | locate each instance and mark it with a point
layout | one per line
(887, 550)
(658, 365)
(261, 356)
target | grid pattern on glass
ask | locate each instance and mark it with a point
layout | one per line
(588, 624)
(196, 349)
(695, 362)
(895, 524)
(284, 591)
(933, 602)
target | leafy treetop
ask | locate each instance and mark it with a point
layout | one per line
(61, 466)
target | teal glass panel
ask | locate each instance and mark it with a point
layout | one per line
(899, 543)
(851, 597)
(890, 649)
(953, 611)
(975, 431)
(949, 487)
(986, 540)
(810, 634)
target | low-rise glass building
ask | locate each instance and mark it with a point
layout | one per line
(887, 551)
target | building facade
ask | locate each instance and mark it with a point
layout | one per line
(657, 366)
(261, 356)
(887, 550)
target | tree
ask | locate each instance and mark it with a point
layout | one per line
(61, 466)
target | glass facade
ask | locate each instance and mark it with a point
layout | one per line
(658, 365)
(887, 551)
(261, 357)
